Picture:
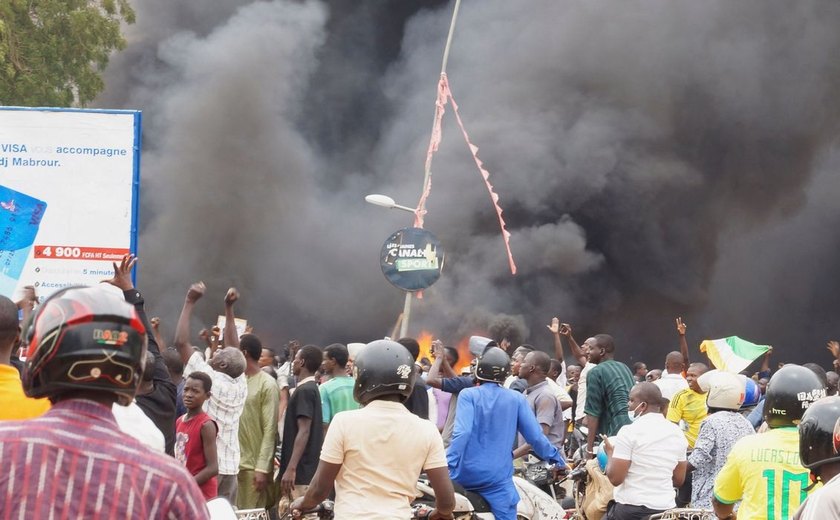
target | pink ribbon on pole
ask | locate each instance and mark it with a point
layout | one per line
(434, 143)
(444, 96)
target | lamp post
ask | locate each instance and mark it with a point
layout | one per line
(387, 202)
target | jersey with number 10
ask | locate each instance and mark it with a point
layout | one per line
(765, 473)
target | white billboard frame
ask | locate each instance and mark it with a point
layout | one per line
(79, 136)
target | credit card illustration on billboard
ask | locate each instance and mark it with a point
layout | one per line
(20, 218)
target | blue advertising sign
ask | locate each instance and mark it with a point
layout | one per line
(412, 259)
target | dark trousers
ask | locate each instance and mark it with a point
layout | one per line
(684, 491)
(618, 511)
(228, 487)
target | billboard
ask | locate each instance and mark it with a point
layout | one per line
(69, 181)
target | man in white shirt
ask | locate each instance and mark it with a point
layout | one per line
(672, 380)
(646, 459)
(134, 422)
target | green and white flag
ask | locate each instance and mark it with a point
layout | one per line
(732, 354)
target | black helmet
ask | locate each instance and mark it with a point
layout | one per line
(383, 367)
(493, 366)
(790, 392)
(819, 433)
(84, 338)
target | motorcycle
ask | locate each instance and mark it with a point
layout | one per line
(534, 503)
(221, 509)
(685, 514)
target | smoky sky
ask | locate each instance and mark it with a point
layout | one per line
(654, 159)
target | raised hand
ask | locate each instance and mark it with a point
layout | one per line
(231, 297)
(29, 294)
(565, 329)
(834, 348)
(122, 273)
(437, 349)
(155, 321)
(680, 326)
(29, 298)
(555, 326)
(196, 291)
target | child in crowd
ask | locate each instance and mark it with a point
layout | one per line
(195, 442)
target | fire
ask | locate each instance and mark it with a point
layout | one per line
(425, 339)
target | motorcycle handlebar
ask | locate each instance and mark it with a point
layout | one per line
(323, 507)
(578, 473)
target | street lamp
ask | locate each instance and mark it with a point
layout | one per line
(387, 202)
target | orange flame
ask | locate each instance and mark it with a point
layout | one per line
(425, 340)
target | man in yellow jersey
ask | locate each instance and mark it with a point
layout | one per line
(764, 471)
(14, 405)
(688, 406)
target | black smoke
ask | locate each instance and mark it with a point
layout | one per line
(654, 159)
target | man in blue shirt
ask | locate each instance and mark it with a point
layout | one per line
(486, 422)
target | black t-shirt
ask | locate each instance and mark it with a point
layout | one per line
(418, 401)
(305, 402)
(159, 405)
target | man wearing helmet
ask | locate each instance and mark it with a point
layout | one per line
(764, 471)
(85, 352)
(819, 449)
(367, 453)
(487, 419)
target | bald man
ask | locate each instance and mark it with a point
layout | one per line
(646, 460)
(542, 400)
(672, 380)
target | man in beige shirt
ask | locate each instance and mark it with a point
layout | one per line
(368, 454)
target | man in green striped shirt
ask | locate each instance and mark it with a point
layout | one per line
(607, 391)
(337, 393)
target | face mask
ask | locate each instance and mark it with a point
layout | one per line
(632, 414)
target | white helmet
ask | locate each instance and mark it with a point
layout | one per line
(726, 391)
(353, 350)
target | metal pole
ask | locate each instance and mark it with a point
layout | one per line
(406, 315)
(428, 170)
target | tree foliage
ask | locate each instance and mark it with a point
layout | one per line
(52, 52)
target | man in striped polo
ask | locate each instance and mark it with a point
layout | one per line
(85, 352)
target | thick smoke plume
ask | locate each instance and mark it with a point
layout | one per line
(654, 159)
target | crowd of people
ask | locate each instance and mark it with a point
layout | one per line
(101, 417)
